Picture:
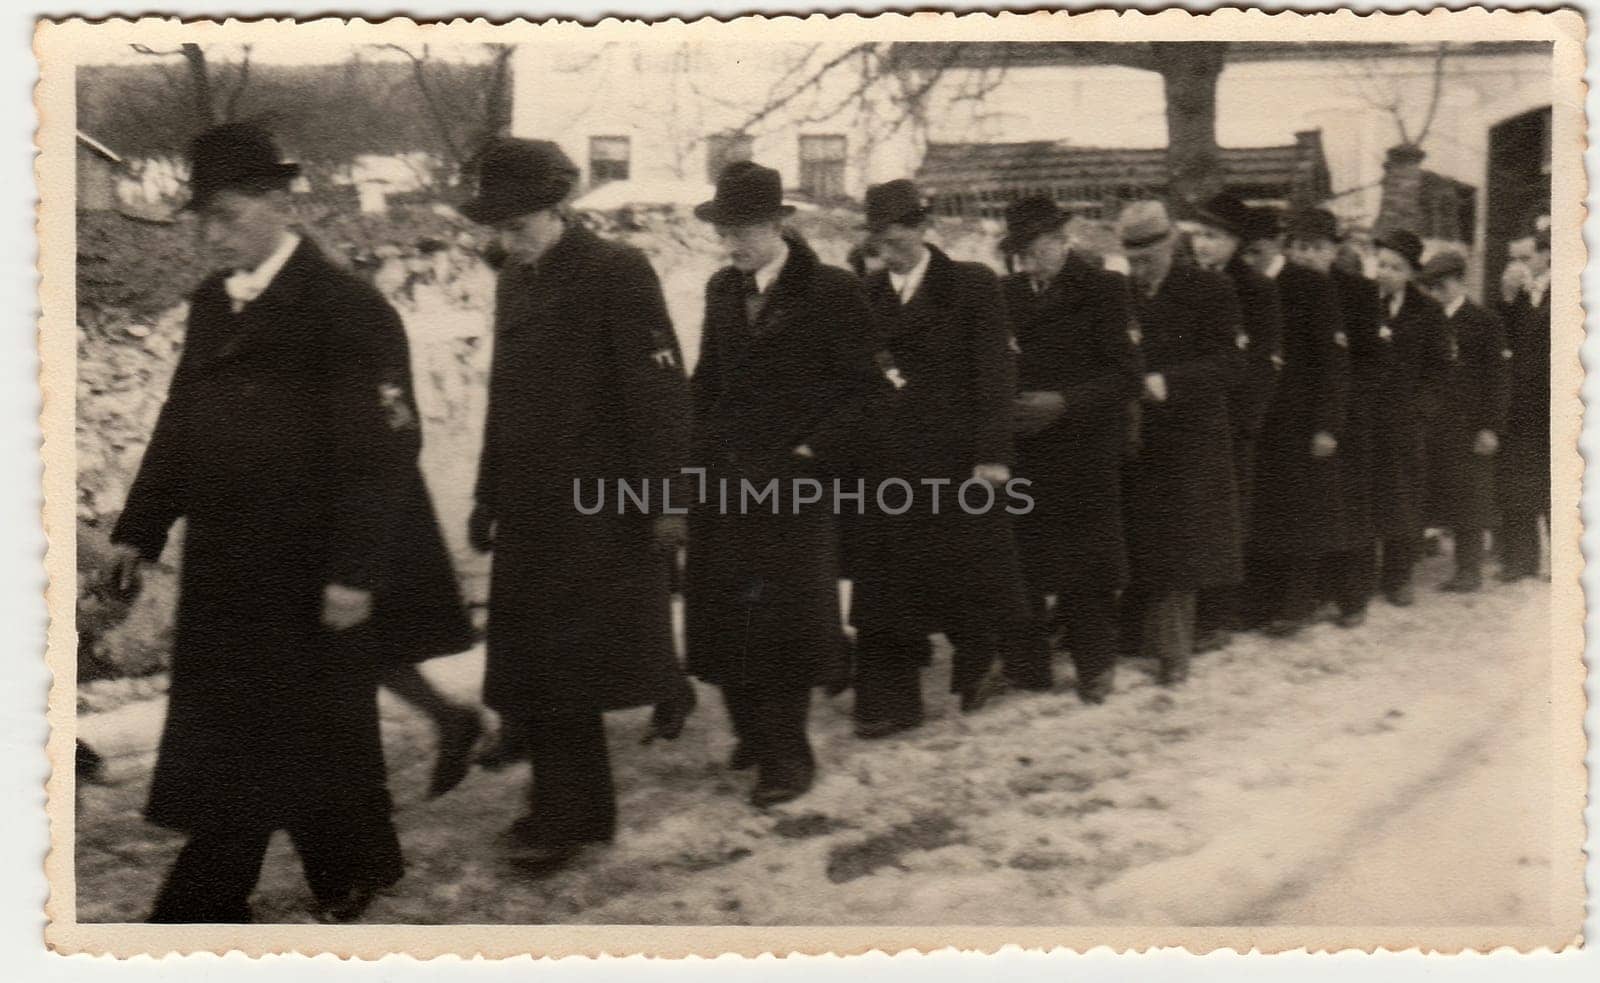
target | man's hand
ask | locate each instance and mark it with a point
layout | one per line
(1155, 388)
(1486, 444)
(123, 574)
(1323, 444)
(805, 451)
(480, 530)
(1513, 279)
(1034, 410)
(671, 531)
(995, 474)
(345, 607)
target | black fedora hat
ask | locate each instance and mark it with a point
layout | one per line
(1029, 218)
(235, 157)
(1403, 241)
(516, 177)
(747, 194)
(1447, 264)
(896, 202)
(1228, 212)
(1313, 224)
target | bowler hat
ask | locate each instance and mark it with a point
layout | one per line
(235, 157)
(1445, 265)
(1402, 241)
(896, 202)
(747, 194)
(518, 177)
(1226, 211)
(1312, 224)
(1029, 218)
(1143, 223)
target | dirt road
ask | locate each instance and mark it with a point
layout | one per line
(1392, 774)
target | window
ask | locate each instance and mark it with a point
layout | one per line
(723, 149)
(608, 159)
(822, 167)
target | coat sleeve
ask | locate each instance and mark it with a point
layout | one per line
(1202, 379)
(705, 386)
(376, 434)
(156, 500)
(1494, 370)
(1108, 318)
(839, 437)
(1262, 359)
(995, 379)
(647, 365)
(488, 476)
(1333, 349)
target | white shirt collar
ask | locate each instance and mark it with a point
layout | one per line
(1395, 301)
(246, 285)
(1538, 288)
(1274, 267)
(907, 284)
(1451, 308)
(769, 273)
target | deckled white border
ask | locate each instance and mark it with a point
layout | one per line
(14, 673)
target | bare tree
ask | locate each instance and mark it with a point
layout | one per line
(465, 117)
(1401, 205)
(214, 95)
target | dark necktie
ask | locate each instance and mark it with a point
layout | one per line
(752, 299)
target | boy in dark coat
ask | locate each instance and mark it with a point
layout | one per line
(1296, 520)
(785, 364)
(1078, 367)
(1183, 530)
(1411, 354)
(289, 443)
(1467, 414)
(587, 392)
(1348, 574)
(941, 325)
(1524, 478)
(1226, 226)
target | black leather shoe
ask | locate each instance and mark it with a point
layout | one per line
(458, 735)
(346, 909)
(1213, 640)
(1462, 584)
(543, 858)
(668, 718)
(976, 696)
(784, 786)
(1401, 597)
(1095, 689)
(1352, 619)
(742, 757)
(1032, 682)
(1512, 576)
(881, 727)
(1283, 628)
(502, 752)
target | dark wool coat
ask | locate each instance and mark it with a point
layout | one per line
(1183, 511)
(763, 592)
(927, 572)
(587, 386)
(1524, 471)
(1297, 495)
(1073, 339)
(1411, 353)
(1258, 361)
(289, 443)
(1360, 314)
(1468, 397)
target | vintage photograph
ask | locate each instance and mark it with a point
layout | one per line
(872, 472)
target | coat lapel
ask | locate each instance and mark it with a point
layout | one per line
(276, 310)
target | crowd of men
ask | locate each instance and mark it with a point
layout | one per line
(1234, 433)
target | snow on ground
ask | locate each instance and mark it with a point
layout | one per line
(1395, 774)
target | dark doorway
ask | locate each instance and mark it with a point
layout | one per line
(1519, 186)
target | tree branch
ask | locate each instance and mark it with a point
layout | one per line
(232, 108)
(1433, 97)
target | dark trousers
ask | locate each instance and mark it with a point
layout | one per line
(1088, 620)
(216, 871)
(571, 799)
(1518, 540)
(1351, 576)
(1400, 554)
(1469, 550)
(1286, 584)
(769, 719)
(889, 675)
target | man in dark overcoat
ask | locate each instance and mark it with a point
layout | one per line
(288, 443)
(1466, 415)
(587, 394)
(1524, 474)
(1296, 520)
(950, 567)
(1411, 353)
(1349, 576)
(1184, 529)
(785, 367)
(1077, 367)
(1225, 226)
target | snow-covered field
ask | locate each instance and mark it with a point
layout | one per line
(1395, 774)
